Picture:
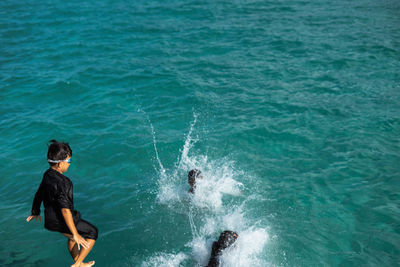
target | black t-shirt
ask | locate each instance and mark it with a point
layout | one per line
(56, 193)
(215, 253)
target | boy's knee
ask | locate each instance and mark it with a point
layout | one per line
(88, 230)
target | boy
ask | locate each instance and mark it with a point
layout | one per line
(226, 239)
(56, 193)
(192, 176)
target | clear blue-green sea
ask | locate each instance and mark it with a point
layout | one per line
(290, 109)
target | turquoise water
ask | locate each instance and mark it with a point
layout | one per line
(290, 108)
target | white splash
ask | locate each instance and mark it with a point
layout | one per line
(248, 249)
(162, 169)
(207, 214)
(188, 143)
(165, 260)
(218, 177)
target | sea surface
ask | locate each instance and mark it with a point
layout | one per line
(291, 110)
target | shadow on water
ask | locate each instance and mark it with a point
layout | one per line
(17, 258)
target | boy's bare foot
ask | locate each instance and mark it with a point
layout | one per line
(83, 264)
(88, 264)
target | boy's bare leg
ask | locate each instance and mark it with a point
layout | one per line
(82, 255)
(73, 249)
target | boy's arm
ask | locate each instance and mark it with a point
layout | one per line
(37, 201)
(71, 226)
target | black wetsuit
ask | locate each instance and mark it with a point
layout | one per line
(215, 253)
(56, 193)
(226, 239)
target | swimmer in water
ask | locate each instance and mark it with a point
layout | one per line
(192, 176)
(55, 191)
(226, 239)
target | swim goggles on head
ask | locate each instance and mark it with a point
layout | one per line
(58, 161)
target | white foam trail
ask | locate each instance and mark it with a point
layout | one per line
(165, 260)
(162, 169)
(193, 227)
(188, 143)
(153, 133)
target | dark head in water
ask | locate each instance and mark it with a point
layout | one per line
(59, 155)
(226, 239)
(192, 176)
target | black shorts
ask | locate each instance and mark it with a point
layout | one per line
(85, 229)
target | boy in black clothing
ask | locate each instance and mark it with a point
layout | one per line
(226, 239)
(192, 176)
(56, 193)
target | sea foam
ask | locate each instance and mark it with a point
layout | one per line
(218, 177)
(207, 213)
(248, 249)
(165, 260)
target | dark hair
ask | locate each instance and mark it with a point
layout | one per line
(192, 175)
(58, 151)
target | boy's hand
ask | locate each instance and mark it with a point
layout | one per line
(33, 217)
(80, 241)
